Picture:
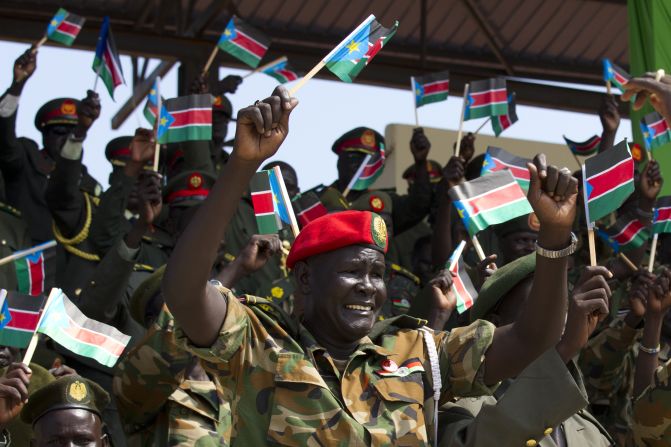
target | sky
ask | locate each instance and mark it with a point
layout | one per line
(327, 109)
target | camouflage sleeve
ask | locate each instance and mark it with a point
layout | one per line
(149, 374)
(231, 335)
(603, 361)
(461, 354)
(652, 411)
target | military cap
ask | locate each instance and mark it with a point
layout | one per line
(117, 151)
(63, 393)
(188, 188)
(528, 222)
(220, 103)
(500, 283)
(144, 293)
(375, 201)
(338, 230)
(57, 111)
(361, 139)
(434, 168)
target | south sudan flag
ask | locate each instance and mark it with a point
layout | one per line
(359, 48)
(661, 220)
(371, 171)
(244, 42)
(608, 179)
(625, 234)
(502, 122)
(462, 286)
(263, 200)
(433, 87)
(585, 148)
(191, 119)
(30, 274)
(65, 27)
(308, 207)
(489, 200)
(655, 130)
(282, 71)
(497, 159)
(106, 63)
(615, 74)
(25, 313)
(487, 97)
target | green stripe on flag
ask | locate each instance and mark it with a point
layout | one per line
(187, 133)
(241, 53)
(267, 223)
(65, 39)
(22, 275)
(602, 206)
(431, 98)
(15, 337)
(488, 110)
(495, 216)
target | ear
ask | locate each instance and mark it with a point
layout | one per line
(302, 275)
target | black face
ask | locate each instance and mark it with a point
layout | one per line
(343, 291)
(70, 427)
(8, 355)
(53, 138)
(219, 127)
(348, 163)
(518, 244)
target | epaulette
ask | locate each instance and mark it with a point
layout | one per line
(143, 268)
(270, 310)
(401, 322)
(10, 210)
(405, 272)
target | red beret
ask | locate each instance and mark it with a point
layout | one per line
(338, 230)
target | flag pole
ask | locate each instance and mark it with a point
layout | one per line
(36, 335)
(608, 90)
(40, 42)
(311, 74)
(478, 248)
(590, 225)
(482, 125)
(263, 67)
(414, 99)
(287, 201)
(461, 122)
(456, 255)
(23, 253)
(356, 175)
(628, 261)
(159, 105)
(653, 252)
(213, 54)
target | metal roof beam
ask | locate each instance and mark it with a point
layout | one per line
(489, 33)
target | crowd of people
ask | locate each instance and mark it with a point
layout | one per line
(346, 334)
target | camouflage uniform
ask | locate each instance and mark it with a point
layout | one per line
(283, 388)
(157, 404)
(651, 414)
(402, 288)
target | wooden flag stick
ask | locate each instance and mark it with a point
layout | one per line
(478, 248)
(628, 261)
(311, 74)
(287, 201)
(482, 125)
(592, 247)
(608, 89)
(357, 174)
(27, 252)
(263, 67)
(461, 121)
(208, 64)
(40, 42)
(36, 335)
(457, 254)
(653, 252)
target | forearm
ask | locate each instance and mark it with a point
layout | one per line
(231, 274)
(188, 270)
(646, 363)
(64, 199)
(109, 221)
(607, 140)
(413, 207)
(442, 234)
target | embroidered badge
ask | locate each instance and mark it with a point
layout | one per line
(408, 367)
(379, 231)
(78, 392)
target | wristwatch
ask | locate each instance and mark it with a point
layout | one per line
(556, 254)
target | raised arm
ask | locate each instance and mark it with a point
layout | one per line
(198, 308)
(552, 194)
(610, 121)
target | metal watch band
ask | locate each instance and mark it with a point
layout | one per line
(556, 254)
(653, 351)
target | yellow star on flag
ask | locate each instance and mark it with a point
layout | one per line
(227, 32)
(54, 22)
(152, 92)
(2, 318)
(163, 121)
(460, 211)
(353, 46)
(418, 92)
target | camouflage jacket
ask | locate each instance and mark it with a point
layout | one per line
(158, 406)
(284, 388)
(607, 363)
(652, 411)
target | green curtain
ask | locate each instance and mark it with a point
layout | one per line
(649, 50)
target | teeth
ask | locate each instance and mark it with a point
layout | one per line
(357, 307)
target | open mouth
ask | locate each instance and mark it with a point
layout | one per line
(360, 307)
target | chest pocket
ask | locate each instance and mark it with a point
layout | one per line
(304, 411)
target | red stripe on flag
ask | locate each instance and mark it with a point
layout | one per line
(191, 117)
(36, 272)
(663, 214)
(659, 127)
(263, 202)
(102, 341)
(310, 214)
(249, 44)
(112, 66)
(619, 78)
(516, 171)
(460, 287)
(504, 122)
(68, 28)
(495, 198)
(481, 99)
(23, 320)
(288, 74)
(617, 175)
(436, 87)
(628, 233)
(371, 169)
(591, 144)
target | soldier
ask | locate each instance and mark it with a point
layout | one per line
(517, 237)
(334, 375)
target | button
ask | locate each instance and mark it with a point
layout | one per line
(389, 365)
(548, 431)
(4, 242)
(531, 443)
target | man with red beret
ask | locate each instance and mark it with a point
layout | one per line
(334, 376)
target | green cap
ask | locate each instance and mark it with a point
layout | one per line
(500, 283)
(57, 111)
(66, 392)
(144, 292)
(361, 139)
(188, 188)
(375, 201)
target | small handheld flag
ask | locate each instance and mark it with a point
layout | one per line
(608, 179)
(166, 119)
(69, 327)
(191, 119)
(430, 88)
(5, 316)
(625, 234)
(462, 285)
(497, 159)
(282, 71)
(615, 75)
(370, 169)
(106, 63)
(308, 207)
(24, 314)
(65, 27)
(502, 122)
(243, 42)
(263, 200)
(655, 131)
(585, 148)
(30, 273)
(489, 200)
(661, 219)
(487, 97)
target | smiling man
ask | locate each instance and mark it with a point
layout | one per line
(334, 376)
